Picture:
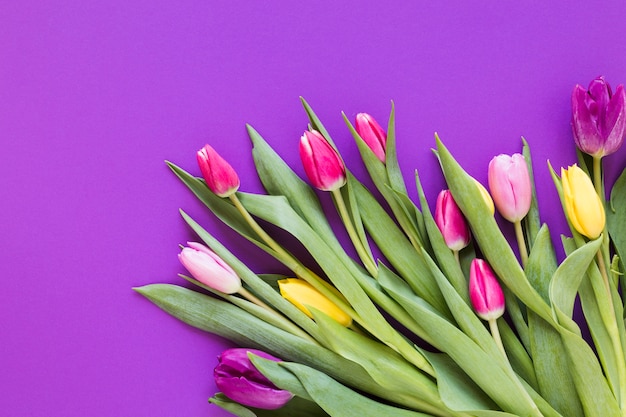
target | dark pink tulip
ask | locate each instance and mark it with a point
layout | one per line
(510, 187)
(208, 268)
(220, 177)
(372, 134)
(451, 222)
(321, 162)
(238, 379)
(485, 291)
(599, 118)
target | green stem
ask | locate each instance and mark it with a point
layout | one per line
(521, 243)
(612, 329)
(367, 260)
(597, 176)
(495, 333)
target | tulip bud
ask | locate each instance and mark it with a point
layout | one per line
(302, 294)
(322, 163)
(372, 134)
(451, 222)
(208, 268)
(509, 183)
(599, 118)
(582, 204)
(238, 379)
(220, 177)
(485, 291)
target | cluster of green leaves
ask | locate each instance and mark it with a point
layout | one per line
(549, 370)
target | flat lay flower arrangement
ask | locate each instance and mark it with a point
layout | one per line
(450, 319)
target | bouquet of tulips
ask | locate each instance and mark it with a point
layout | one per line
(449, 319)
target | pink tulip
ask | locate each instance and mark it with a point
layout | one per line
(220, 177)
(208, 268)
(238, 379)
(485, 291)
(322, 163)
(509, 184)
(372, 134)
(599, 118)
(451, 222)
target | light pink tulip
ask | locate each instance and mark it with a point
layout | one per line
(208, 268)
(220, 177)
(509, 184)
(485, 291)
(451, 222)
(372, 134)
(321, 162)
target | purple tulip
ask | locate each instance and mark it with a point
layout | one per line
(372, 134)
(238, 379)
(599, 118)
(208, 268)
(510, 187)
(485, 291)
(220, 177)
(451, 222)
(322, 163)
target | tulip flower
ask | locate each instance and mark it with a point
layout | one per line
(509, 184)
(208, 268)
(302, 294)
(322, 163)
(582, 204)
(599, 118)
(238, 379)
(485, 291)
(372, 134)
(220, 177)
(451, 222)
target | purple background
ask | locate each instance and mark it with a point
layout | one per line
(94, 96)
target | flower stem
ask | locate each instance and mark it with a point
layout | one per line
(495, 333)
(521, 243)
(597, 176)
(367, 260)
(613, 330)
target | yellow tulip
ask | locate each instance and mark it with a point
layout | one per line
(302, 294)
(582, 204)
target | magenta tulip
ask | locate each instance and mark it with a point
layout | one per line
(372, 134)
(510, 187)
(599, 118)
(238, 379)
(208, 268)
(220, 177)
(322, 163)
(451, 222)
(485, 291)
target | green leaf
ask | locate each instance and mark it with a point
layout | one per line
(616, 216)
(531, 222)
(570, 274)
(541, 263)
(296, 407)
(552, 367)
(340, 401)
